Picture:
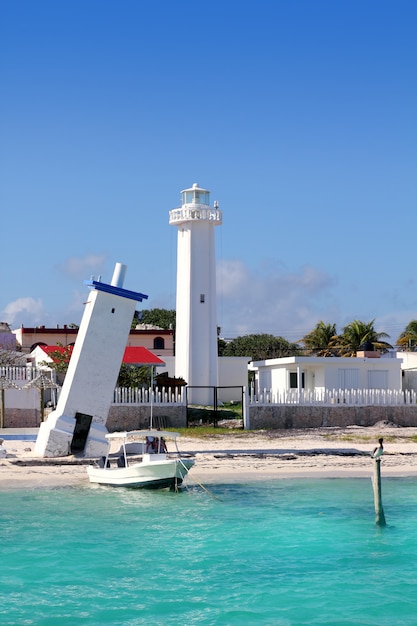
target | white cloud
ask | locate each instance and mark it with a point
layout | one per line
(76, 267)
(271, 300)
(394, 323)
(26, 311)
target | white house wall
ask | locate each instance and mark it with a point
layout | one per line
(410, 380)
(276, 378)
(408, 360)
(24, 398)
(409, 370)
(327, 373)
(333, 378)
(318, 379)
(233, 371)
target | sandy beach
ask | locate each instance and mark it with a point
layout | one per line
(243, 457)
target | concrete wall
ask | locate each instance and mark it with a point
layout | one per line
(21, 418)
(121, 417)
(273, 417)
(26, 398)
(124, 417)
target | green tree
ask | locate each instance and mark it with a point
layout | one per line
(221, 346)
(319, 340)
(61, 359)
(355, 334)
(408, 338)
(163, 318)
(134, 376)
(261, 347)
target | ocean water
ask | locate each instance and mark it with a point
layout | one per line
(287, 552)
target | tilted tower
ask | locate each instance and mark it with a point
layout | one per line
(78, 424)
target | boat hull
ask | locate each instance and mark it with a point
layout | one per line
(157, 474)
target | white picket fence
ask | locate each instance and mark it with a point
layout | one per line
(363, 397)
(19, 372)
(167, 396)
(358, 397)
(139, 395)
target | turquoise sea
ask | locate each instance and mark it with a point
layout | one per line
(288, 552)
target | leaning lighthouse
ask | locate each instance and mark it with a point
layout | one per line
(196, 311)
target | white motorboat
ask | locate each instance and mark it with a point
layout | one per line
(142, 461)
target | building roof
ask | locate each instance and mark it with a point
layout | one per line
(50, 349)
(132, 355)
(140, 329)
(141, 356)
(65, 330)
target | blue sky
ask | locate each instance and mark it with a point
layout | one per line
(298, 115)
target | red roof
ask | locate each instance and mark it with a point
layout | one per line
(60, 349)
(141, 356)
(132, 355)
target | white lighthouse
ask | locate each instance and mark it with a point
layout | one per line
(78, 424)
(196, 357)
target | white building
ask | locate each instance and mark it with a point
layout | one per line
(196, 358)
(409, 369)
(318, 375)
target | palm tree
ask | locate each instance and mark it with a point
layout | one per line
(408, 338)
(355, 334)
(319, 340)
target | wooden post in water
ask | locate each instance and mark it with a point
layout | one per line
(376, 482)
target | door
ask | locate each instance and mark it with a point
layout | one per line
(81, 430)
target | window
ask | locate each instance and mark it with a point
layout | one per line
(294, 380)
(158, 343)
(378, 379)
(348, 378)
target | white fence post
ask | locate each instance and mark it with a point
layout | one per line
(245, 409)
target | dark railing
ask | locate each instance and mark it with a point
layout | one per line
(214, 413)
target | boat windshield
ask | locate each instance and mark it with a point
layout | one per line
(143, 434)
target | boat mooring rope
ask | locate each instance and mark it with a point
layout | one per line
(200, 484)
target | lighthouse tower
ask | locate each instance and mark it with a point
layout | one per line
(196, 311)
(78, 424)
